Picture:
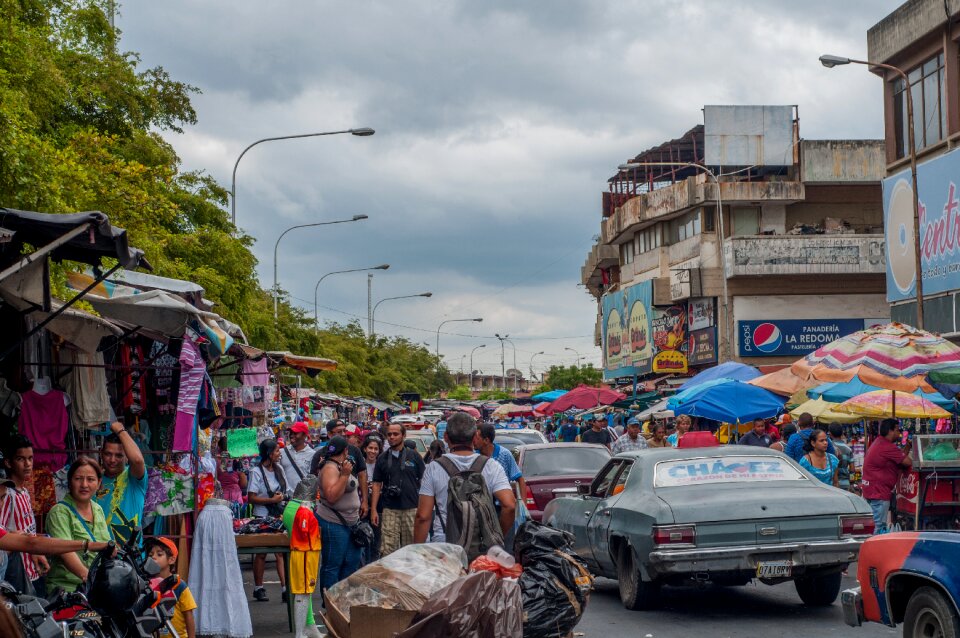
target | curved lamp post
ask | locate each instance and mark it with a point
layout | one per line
(532, 357)
(483, 345)
(478, 320)
(576, 353)
(373, 313)
(316, 314)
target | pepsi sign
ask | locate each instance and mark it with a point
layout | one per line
(791, 337)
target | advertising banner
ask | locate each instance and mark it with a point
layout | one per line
(939, 228)
(702, 348)
(791, 337)
(627, 334)
(700, 313)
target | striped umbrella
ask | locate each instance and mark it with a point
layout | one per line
(893, 356)
(881, 404)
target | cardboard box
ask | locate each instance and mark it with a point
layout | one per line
(365, 622)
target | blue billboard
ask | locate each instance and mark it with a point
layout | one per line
(939, 243)
(791, 337)
(627, 332)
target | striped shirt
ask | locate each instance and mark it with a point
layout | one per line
(16, 515)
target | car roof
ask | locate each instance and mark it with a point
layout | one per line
(700, 452)
(550, 446)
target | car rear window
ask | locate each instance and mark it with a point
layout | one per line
(526, 437)
(726, 469)
(564, 460)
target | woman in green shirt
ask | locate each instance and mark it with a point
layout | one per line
(77, 517)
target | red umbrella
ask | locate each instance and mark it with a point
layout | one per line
(469, 409)
(584, 397)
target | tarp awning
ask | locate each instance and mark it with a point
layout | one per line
(308, 365)
(80, 328)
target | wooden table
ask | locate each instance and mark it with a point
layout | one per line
(250, 544)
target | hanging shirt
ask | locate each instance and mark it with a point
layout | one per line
(192, 371)
(121, 498)
(43, 420)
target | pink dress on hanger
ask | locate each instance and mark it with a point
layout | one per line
(192, 369)
(43, 420)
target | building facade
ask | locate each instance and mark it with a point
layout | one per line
(737, 241)
(921, 38)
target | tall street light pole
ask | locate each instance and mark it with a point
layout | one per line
(483, 345)
(532, 357)
(727, 335)
(576, 353)
(503, 365)
(316, 314)
(276, 247)
(831, 61)
(373, 313)
(478, 320)
(514, 346)
(359, 132)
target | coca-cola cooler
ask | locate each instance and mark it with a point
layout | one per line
(928, 496)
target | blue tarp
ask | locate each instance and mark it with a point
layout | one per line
(727, 400)
(840, 392)
(728, 370)
(551, 395)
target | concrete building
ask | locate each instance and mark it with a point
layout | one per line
(783, 253)
(480, 382)
(921, 38)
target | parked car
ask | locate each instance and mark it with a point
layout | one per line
(556, 469)
(723, 515)
(525, 435)
(423, 438)
(908, 578)
(405, 418)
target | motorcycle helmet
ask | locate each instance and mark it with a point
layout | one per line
(113, 587)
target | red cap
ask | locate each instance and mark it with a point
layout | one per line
(352, 430)
(168, 544)
(300, 427)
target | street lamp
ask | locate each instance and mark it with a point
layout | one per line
(373, 313)
(276, 247)
(532, 357)
(483, 345)
(359, 132)
(316, 314)
(831, 61)
(503, 365)
(514, 346)
(723, 276)
(576, 353)
(478, 320)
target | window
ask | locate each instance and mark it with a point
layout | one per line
(724, 469)
(686, 226)
(621, 481)
(648, 240)
(604, 479)
(927, 87)
(626, 253)
(709, 220)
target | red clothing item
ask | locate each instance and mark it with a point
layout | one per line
(881, 469)
(43, 420)
(773, 432)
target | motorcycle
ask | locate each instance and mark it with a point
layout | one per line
(116, 601)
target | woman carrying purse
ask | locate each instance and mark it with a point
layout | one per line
(268, 492)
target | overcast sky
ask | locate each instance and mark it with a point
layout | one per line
(497, 125)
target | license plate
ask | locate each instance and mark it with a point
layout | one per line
(775, 569)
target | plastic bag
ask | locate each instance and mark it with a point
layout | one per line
(476, 606)
(555, 584)
(485, 563)
(402, 580)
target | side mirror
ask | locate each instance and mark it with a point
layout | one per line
(583, 490)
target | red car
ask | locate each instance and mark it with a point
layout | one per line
(557, 469)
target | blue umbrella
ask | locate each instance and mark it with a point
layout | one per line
(550, 395)
(727, 400)
(728, 370)
(840, 392)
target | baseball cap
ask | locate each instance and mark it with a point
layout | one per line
(352, 429)
(332, 423)
(166, 543)
(300, 427)
(335, 446)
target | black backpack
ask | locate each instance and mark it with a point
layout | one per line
(471, 519)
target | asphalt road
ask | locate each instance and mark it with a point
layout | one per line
(753, 611)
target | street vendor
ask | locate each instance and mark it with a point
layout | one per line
(123, 488)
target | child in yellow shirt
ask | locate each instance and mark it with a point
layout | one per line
(164, 553)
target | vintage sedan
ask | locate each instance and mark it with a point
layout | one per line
(557, 469)
(723, 515)
(910, 578)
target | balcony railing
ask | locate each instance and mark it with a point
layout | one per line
(804, 255)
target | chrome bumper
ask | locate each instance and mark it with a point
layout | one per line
(745, 558)
(852, 603)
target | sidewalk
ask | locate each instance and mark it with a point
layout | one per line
(270, 618)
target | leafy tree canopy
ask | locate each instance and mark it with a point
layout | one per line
(460, 393)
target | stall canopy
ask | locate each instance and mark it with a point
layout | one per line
(840, 392)
(311, 366)
(727, 401)
(550, 395)
(728, 370)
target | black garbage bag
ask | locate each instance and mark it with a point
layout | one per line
(478, 605)
(555, 584)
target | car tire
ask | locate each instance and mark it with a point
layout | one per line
(819, 591)
(929, 613)
(635, 593)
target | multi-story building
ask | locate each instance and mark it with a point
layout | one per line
(921, 39)
(780, 252)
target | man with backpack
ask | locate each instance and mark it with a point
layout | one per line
(396, 483)
(457, 493)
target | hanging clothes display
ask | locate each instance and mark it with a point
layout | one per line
(164, 366)
(43, 420)
(215, 578)
(192, 372)
(255, 372)
(87, 384)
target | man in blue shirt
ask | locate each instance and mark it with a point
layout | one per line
(794, 447)
(123, 488)
(483, 443)
(568, 432)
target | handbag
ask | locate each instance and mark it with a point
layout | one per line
(274, 509)
(361, 532)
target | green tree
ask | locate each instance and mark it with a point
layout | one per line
(569, 377)
(460, 393)
(495, 395)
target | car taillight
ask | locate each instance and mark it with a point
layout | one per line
(528, 498)
(675, 535)
(856, 526)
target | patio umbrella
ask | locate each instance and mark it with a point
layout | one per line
(550, 395)
(823, 411)
(512, 409)
(882, 403)
(727, 401)
(584, 397)
(469, 409)
(840, 392)
(728, 370)
(783, 382)
(538, 408)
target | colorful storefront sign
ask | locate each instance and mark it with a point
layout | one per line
(791, 337)
(627, 334)
(939, 228)
(700, 313)
(702, 347)
(670, 362)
